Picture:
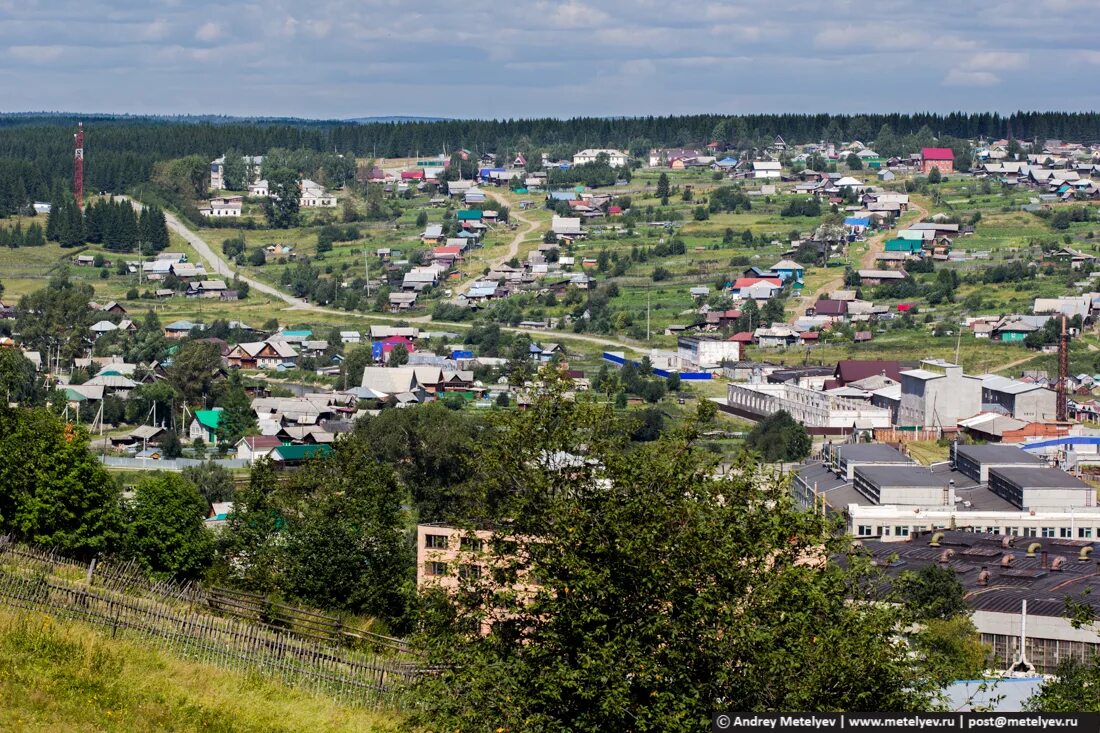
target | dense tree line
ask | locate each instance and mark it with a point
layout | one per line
(33, 236)
(122, 152)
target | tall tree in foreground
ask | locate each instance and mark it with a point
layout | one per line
(281, 209)
(53, 491)
(663, 593)
(165, 532)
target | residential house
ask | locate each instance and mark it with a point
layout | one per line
(222, 206)
(206, 288)
(788, 269)
(205, 425)
(252, 448)
(941, 158)
(616, 158)
(878, 277)
(767, 169)
(180, 329)
(775, 337)
(399, 383)
(314, 196)
(262, 355)
(295, 455)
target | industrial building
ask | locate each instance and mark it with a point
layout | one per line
(1040, 488)
(938, 395)
(846, 458)
(1021, 400)
(975, 461)
(894, 501)
(821, 413)
(902, 485)
(1015, 588)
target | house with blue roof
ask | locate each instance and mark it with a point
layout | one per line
(857, 224)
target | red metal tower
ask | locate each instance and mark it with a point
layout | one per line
(1060, 411)
(78, 164)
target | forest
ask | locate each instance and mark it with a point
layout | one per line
(36, 150)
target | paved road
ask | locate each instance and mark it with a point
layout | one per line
(219, 265)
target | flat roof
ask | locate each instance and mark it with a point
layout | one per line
(1039, 478)
(871, 453)
(1005, 454)
(914, 477)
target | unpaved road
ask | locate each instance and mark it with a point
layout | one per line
(217, 264)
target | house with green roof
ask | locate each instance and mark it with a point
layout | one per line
(911, 246)
(291, 455)
(205, 425)
(469, 215)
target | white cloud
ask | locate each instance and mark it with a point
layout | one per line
(998, 60)
(964, 78)
(208, 32)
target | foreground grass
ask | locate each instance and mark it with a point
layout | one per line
(67, 676)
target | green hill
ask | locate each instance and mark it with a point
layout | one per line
(67, 676)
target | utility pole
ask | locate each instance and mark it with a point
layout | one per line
(647, 300)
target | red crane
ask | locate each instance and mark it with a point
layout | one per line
(78, 164)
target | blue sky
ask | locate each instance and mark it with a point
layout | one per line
(490, 58)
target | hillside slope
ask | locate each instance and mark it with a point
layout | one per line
(67, 676)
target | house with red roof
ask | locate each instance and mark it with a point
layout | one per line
(447, 254)
(742, 337)
(412, 175)
(941, 158)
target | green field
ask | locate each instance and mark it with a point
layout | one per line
(65, 676)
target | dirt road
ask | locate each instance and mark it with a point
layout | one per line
(217, 264)
(513, 247)
(875, 245)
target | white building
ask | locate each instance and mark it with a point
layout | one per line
(705, 354)
(818, 411)
(616, 158)
(767, 169)
(222, 206)
(314, 196)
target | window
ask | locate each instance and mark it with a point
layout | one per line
(901, 530)
(1065, 532)
(472, 572)
(472, 544)
(435, 541)
(1084, 533)
(1048, 531)
(437, 568)
(885, 531)
(993, 530)
(863, 530)
(1014, 531)
(1030, 532)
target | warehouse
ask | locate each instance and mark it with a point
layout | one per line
(1040, 488)
(975, 460)
(902, 485)
(846, 458)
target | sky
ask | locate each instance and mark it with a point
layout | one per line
(527, 58)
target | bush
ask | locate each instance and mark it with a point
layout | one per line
(661, 273)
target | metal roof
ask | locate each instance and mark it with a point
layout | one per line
(913, 477)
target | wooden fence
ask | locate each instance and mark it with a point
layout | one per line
(181, 619)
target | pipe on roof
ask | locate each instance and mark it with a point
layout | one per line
(1033, 548)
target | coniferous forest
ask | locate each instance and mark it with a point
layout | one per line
(36, 150)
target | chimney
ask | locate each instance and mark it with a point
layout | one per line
(1006, 560)
(1043, 559)
(983, 576)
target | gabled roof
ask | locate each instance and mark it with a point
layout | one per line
(300, 452)
(209, 419)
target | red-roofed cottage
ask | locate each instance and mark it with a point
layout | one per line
(941, 158)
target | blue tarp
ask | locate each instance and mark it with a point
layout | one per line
(854, 221)
(688, 376)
